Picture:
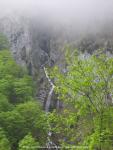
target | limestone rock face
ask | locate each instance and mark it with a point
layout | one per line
(36, 44)
(33, 46)
(16, 30)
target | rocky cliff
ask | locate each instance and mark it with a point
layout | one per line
(36, 44)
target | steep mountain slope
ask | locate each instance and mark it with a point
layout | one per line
(38, 44)
(32, 45)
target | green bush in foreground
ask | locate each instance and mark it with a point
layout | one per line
(86, 89)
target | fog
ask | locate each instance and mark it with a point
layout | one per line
(73, 13)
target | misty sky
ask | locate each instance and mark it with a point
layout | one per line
(68, 11)
(59, 6)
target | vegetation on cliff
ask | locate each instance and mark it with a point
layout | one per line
(86, 89)
(84, 122)
(22, 119)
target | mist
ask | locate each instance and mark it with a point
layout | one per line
(76, 14)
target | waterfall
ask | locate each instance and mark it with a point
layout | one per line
(50, 144)
(48, 101)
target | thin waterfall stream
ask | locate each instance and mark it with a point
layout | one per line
(48, 101)
(50, 144)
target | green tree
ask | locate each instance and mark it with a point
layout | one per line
(20, 113)
(28, 143)
(36, 120)
(15, 84)
(4, 44)
(4, 143)
(4, 104)
(24, 118)
(86, 90)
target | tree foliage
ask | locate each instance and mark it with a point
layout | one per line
(86, 89)
(4, 143)
(28, 143)
(20, 113)
(4, 44)
(14, 81)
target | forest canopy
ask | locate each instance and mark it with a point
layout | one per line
(85, 90)
(22, 119)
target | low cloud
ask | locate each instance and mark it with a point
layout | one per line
(77, 13)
